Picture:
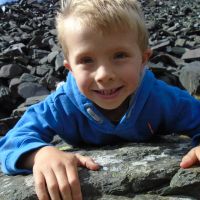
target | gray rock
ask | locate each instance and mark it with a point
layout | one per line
(4, 93)
(25, 77)
(180, 42)
(42, 70)
(190, 44)
(39, 54)
(168, 60)
(15, 50)
(7, 123)
(143, 197)
(19, 111)
(52, 81)
(13, 86)
(189, 76)
(191, 54)
(138, 171)
(6, 102)
(10, 71)
(43, 60)
(30, 89)
(59, 62)
(21, 59)
(161, 45)
(52, 56)
(178, 51)
(186, 182)
(35, 41)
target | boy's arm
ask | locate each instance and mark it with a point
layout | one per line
(34, 130)
(180, 114)
(188, 122)
(187, 117)
(27, 147)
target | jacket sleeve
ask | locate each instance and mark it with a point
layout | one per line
(35, 129)
(187, 119)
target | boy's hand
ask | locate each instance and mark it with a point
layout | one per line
(191, 158)
(56, 176)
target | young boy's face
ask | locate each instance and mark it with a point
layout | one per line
(107, 67)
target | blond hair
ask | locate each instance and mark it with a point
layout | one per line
(104, 15)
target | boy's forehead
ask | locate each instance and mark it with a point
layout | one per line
(76, 32)
(72, 24)
(78, 25)
(74, 29)
(80, 38)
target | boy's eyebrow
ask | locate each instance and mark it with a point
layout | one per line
(81, 53)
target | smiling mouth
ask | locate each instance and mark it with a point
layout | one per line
(109, 92)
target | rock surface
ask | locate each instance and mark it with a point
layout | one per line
(144, 171)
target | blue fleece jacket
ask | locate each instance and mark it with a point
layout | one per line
(155, 108)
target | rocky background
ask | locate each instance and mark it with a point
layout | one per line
(31, 61)
(31, 66)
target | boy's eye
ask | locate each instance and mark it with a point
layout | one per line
(120, 55)
(86, 60)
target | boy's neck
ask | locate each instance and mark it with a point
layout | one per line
(115, 115)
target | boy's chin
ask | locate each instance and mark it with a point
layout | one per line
(107, 107)
(115, 105)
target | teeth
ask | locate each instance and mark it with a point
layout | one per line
(107, 92)
(112, 91)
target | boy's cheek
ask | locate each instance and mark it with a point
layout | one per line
(82, 85)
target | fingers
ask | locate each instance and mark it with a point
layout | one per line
(63, 183)
(57, 178)
(73, 179)
(40, 186)
(52, 185)
(191, 158)
(86, 161)
(57, 184)
(58, 181)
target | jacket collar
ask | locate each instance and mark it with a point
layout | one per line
(88, 108)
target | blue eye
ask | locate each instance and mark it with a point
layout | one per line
(120, 55)
(86, 60)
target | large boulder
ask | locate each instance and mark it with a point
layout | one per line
(139, 171)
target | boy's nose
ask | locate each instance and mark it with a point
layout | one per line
(104, 73)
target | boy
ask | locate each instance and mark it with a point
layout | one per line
(109, 97)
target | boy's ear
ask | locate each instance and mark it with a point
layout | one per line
(67, 65)
(146, 55)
